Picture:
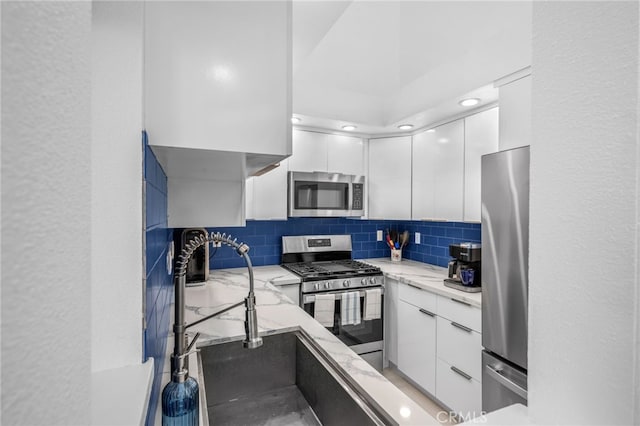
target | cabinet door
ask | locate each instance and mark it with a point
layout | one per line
(391, 320)
(460, 346)
(309, 152)
(345, 154)
(461, 393)
(248, 199)
(461, 312)
(210, 66)
(438, 166)
(390, 178)
(269, 194)
(417, 345)
(481, 137)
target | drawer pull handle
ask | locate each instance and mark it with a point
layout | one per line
(461, 302)
(424, 311)
(461, 327)
(414, 286)
(460, 372)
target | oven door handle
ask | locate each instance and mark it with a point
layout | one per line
(311, 298)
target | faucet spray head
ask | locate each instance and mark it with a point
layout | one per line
(252, 339)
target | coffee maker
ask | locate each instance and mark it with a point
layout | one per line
(197, 272)
(464, 268)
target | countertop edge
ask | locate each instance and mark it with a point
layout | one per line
(132, 400)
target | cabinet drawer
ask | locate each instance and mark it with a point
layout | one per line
(460, 312)
(460, 346)
(462, 395)
(417, 297)
(417, 345)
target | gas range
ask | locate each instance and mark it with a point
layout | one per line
(324, 263)
(329, 274)
(334, 275)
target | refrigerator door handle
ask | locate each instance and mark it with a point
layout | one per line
(499, 377)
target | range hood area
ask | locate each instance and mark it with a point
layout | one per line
(208, 186)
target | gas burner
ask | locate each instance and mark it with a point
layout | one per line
(331, 269)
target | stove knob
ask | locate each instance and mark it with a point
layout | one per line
(363, 281)
(316, 286)
(346, 283)
(372, 280)
(327, 285)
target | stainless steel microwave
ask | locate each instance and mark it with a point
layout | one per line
(325, 194)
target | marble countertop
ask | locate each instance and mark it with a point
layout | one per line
(277, 314)
(424, 275)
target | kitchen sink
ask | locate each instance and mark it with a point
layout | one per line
(288, 380)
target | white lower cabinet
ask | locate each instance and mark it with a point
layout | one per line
(460, 346)
(417, 340)
(292, 291)
(458, 390)
(438, 345)
(459, 366)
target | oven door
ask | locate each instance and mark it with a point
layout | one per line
(364, 337)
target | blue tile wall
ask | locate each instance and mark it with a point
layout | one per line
(159, 289)
(264, 238)
(435, 238)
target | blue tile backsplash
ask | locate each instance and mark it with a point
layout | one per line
(264, 238)
(159, 288)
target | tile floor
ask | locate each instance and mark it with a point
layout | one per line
(418, 397)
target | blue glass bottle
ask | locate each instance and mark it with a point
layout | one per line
(180, 403)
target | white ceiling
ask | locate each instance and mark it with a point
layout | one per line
(377, 64)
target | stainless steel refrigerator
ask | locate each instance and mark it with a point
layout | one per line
(505, 270)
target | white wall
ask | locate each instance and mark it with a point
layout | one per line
(46, 213)
(116, 185)
(515, 114)
(584, 218)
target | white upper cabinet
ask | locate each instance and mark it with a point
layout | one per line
(438, 167)
(217, 101)
(267, 194)
(481, 137)
(309, 152)
(217, 79)
(390, 178)
(322, 152)
(345, 154)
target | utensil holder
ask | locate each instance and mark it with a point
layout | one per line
(396, 255)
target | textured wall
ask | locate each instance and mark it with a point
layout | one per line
(159, 287)
(584, 166)
(46, 213)
(116, 185)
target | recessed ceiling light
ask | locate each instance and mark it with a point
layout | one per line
(443, 140)
(469, 102)
(295, 120)
(431, 130)
(405, 126)
(349, 127)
